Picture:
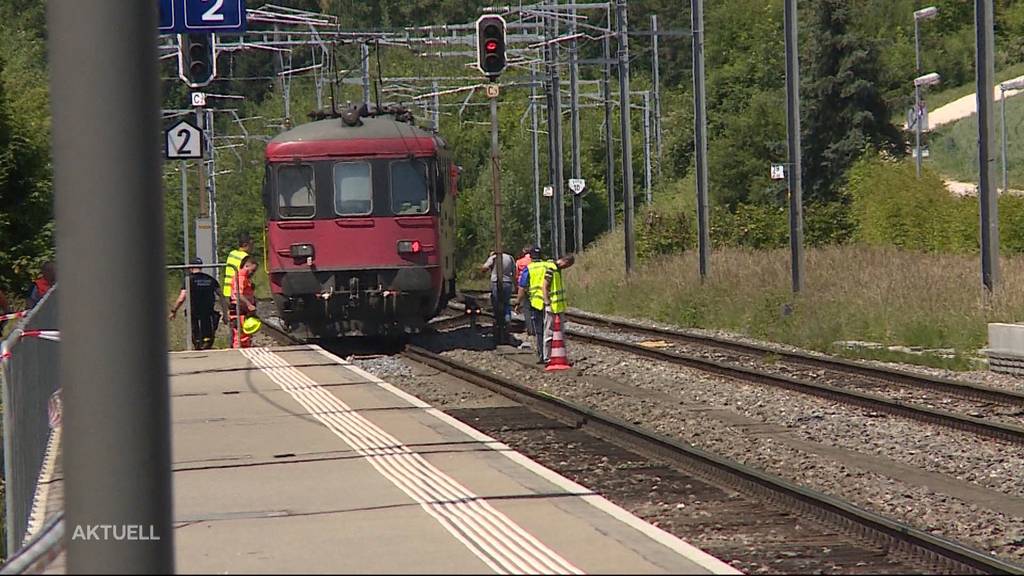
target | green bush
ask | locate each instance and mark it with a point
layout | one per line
(892, 207)
(669, 226)
(750, 226)
(1011, 224)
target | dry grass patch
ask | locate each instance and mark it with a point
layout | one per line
(851, 293)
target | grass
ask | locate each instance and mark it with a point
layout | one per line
(886, 295)
(954, 148)
(946, 96)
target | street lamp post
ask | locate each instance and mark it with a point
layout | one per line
(1011, 85)
(922, 14)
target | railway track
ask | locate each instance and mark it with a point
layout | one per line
(924, 548)
(1007, 432)
(878, 374)
(840, 390)
(832, 364)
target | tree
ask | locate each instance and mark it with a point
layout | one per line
(844, 109)
(26, 215)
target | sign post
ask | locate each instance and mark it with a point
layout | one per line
(187, 260)
(499, 264)
(183, 142)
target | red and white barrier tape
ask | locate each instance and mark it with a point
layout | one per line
(13, 315)
(17, 335)
(53, 335)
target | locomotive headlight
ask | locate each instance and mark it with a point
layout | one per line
(409, 247)
(302, 250)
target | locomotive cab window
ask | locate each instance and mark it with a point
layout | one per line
(296, 193)
(353, 192)
(410, 193)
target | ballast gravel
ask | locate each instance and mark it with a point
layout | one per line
(680, 402)
(981, 376)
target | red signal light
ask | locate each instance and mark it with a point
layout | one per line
(409, 247)
(491, 45)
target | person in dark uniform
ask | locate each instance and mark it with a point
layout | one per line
(205, 292)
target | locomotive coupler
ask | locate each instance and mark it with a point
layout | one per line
(353, 292)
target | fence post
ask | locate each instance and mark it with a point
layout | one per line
(105, 101)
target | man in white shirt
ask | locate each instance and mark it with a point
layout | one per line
(508, 271)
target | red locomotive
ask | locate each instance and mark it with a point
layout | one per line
(360, 225)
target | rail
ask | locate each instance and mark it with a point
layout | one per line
(929, 548)
(1007, 432)
(30, 360)
(971, 424)
(852, 367)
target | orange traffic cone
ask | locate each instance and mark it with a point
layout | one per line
(559, 359)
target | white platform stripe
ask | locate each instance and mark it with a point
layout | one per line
(498, 541)
(685, 549)
(386, 445)
(449, 491)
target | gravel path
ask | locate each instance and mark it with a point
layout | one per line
(802, 438)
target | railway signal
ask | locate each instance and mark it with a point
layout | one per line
(197, 59)
(490, 39)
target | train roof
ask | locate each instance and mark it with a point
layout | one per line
(377, 136)
(373, 128)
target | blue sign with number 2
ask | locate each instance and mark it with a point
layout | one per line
(186, 16)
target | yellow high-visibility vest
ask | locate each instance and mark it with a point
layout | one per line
(556, 292)
(234, 259)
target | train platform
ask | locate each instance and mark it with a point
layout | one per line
(294, 460)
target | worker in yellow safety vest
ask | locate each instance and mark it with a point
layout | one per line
(542, 282)
(234, 261)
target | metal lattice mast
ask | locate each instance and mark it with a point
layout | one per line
(656, 79)
(535, 141)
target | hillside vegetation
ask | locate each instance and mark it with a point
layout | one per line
(954, 148)
(857, 67)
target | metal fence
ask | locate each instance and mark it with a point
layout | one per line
(31, 408)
